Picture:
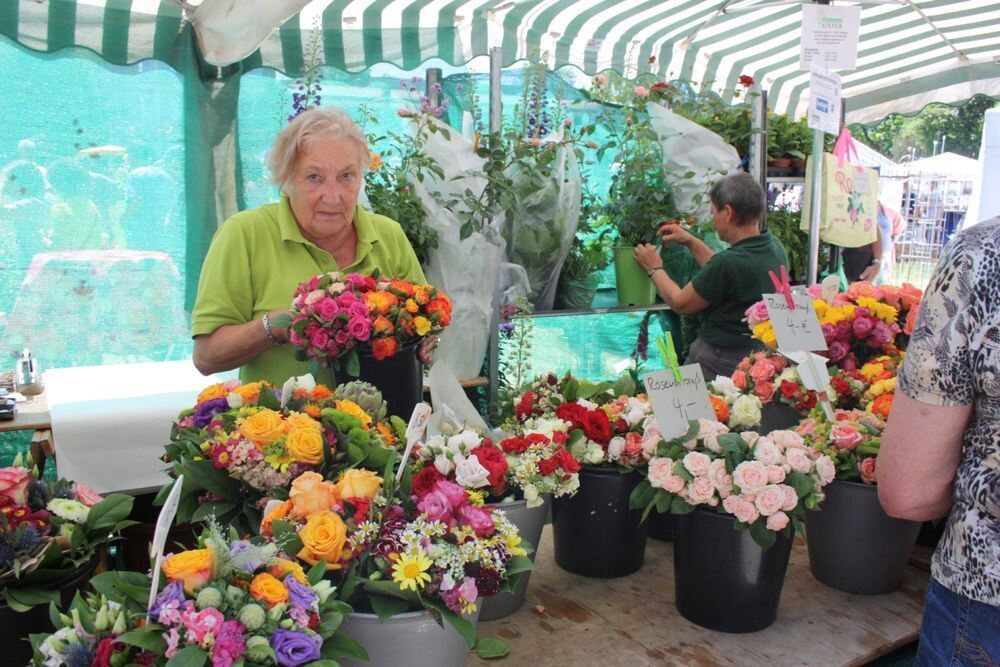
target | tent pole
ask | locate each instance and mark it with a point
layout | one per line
(496, 119)
(757, 160)
(816, 187)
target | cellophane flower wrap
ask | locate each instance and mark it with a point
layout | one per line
(529, 466)
(226, 602)
(335, 314)
(863, 322)
(48, 530)
(852, 440)
(238, 446)
(766, 482)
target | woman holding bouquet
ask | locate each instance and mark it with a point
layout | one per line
(258, 257)
(729, 282)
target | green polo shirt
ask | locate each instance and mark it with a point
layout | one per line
(257, 259)
(732, 281)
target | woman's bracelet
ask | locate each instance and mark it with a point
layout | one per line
(650, 272)
(267, 331)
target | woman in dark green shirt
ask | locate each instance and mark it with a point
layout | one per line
(729, 282)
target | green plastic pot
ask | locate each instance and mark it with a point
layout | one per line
(634, 286)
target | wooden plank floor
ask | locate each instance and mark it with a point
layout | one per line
(571, 620)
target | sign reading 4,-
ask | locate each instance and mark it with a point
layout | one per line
(676, 402)
(796, 330)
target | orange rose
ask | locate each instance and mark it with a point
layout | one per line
(262, 427)
(213, 391)
(281, 567)
(298, 420)
(441, 307)
(268, 590)
(911, 320)
(412, 306)
(323, 538)
(250, 392)
(358, 483)
(422, 294)
(279, 513)
(310, 493)
(721, 408)
(382, 325)
(402, 286)
(305, 445)
(383, 348)
(192, 568)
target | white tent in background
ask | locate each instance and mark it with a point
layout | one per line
(952, 165)
(985, 201)
(872, 158)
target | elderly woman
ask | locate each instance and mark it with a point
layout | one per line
(729, 282)
(258, 257)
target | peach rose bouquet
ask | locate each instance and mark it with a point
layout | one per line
(766, 482)
(852, 440)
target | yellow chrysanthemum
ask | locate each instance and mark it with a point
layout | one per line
(821, 307)
(835, 314)
(277, 456)
(476, 498)
(882, 311)
(353, 409)
(879, 388)
(410, 571)
(764, 332)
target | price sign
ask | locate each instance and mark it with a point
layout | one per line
(676, 402)
(796, 329)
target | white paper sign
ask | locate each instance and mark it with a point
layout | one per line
(676, 403)
(796, 330)
(414, 432)
(829, 36)
(163, 523)
(824, 101)
(815, 375)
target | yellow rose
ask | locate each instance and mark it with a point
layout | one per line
(310, 493)
(323, 538)
(412, 306)
(281, 567)
(298, 420)
(305, 445)
(263, 427)
(192, 568)
(268, 590)
(422, 325)
(357, 483)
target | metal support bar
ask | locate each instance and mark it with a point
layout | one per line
(757, 159)
(816, 188)
(496, 120)
(433, 78)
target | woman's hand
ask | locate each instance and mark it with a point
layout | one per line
(647, 257)
(425, 352)
(869, 273)
(674, 233)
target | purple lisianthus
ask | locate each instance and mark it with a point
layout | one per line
(295, 648)
(205, 411)
(172, 592)
(240, 562)
(301, 595)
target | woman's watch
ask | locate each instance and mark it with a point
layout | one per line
(650, 272)
(876, 261)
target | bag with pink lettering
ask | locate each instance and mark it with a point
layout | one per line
(848, 197)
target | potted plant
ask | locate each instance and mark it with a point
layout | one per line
(612, 434)
(588, 256)
(52, 537)
(739, 498)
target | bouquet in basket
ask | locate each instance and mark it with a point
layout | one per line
(766, 482)
(48, 530)
(335, 314)
(852, 440)
(228, 602)
(530, 465)
(239, 446)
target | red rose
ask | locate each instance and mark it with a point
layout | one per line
(596, 426)
(789, 389)
(536, 439)
(840, 385)
(807, 403)
(424, 481)
(547, 466)
(573, 413)
(525, 407)
(746, 80)
(104, 650)
(567, 461)
(514, 445)
(495, 463)
(559, 437)
(621, 426)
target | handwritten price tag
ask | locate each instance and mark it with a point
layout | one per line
(797, 330)
(676, 402)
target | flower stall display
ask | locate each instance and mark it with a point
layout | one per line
(228, 602)
(740, 498)
(852, 527)
(238, 446)
(775, 382)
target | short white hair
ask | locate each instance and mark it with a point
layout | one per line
(319, 123)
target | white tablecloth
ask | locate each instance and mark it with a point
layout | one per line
(110, 423)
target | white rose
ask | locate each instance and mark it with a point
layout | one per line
(531, 495)
(750, 437)
(750, 476)
(770, 500)
(444, 464)
(697, 463)
(651, 429)
(767, 452)
(234, 400)
(724, 386)
(464, 441)
(570, 486)
(745, 412)
(700, 490)
(825, 469)
(787, 375)
(798, 459)
(615, 447)
(594, 453)
(587, 404)
(471, 474)
(547, 427)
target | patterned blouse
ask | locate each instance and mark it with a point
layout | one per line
(954, 359)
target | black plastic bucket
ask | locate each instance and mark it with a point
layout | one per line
(661, 526)
(723, 579)
(778, 417)
(854, 546)
(400, 378)
(595, 534)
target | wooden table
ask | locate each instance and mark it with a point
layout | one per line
(33, 415)
(571, 620)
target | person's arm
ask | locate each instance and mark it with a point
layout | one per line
(232, 345)
(683, 300)
(920, 453)
(876, 247)
(671, 233)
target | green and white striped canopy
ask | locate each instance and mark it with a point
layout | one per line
(911, 52)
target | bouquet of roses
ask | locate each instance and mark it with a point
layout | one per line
(766, 482)
(228, 602)
(871, 387)
(738, 409)
(771, 377)
(852, 440)
(239, 446)
(48, 530)
(529, 465)
(333, 314)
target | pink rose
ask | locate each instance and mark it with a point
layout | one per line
(641, 91)
(777, 521)
(14, 483)
(845, 436)
(87, 495)
(696, 463)
(787, 439)
(478, 518)
(815, 291)
(744, 364)
(767, 452)
(837, 350)
(750, 476)
(762, 371)
(750, 437)
(721, 480)
(342, 337)
(806, 427)
(825, 469)
(780, 363)
(437, 508)
(660, 470)
(883, 334)
(770, 500)
(775, 474)
(327, 309)
(455, 494)
(740, 380)
(764, 391)
(700, 490)
(358, 309)
(799, 460)
(756, 314)
(862, 324)
(741, 508)
(320, 339)
(360, 328)
(791, 498)
(866, 467)
(674, 484)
